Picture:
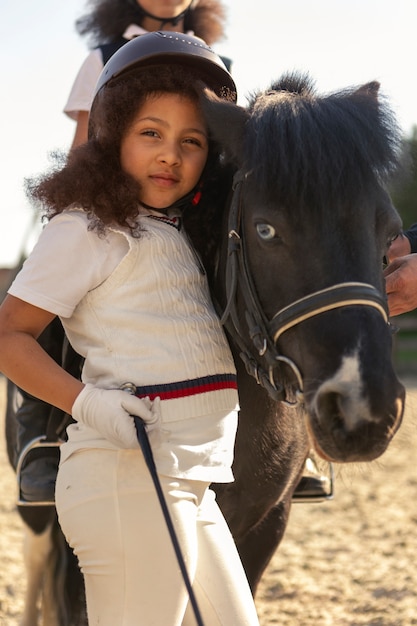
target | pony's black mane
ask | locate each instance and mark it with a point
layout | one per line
(309, 153)
(308, 150)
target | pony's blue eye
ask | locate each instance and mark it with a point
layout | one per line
(265, 231)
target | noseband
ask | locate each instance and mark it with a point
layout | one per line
(265, 333)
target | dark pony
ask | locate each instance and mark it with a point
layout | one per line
(294, 258)
(298, 281)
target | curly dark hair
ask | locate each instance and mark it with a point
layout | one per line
(108, 19)
(92, 177)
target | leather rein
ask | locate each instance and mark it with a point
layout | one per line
(263, 333)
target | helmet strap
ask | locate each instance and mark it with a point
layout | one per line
(192, 197)
(164, 20)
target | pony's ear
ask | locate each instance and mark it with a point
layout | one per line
(226, 122)
(369, 89)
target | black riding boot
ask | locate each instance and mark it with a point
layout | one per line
(27, 421)
(28, 417)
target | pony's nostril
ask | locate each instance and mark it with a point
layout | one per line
(329, 404)
(331, 411)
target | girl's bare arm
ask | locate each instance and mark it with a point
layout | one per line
(22, 359)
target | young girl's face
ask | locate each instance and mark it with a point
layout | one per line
(165, 148)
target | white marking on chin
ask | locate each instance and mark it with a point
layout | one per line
(347, 385)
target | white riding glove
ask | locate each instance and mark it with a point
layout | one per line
(108, 411)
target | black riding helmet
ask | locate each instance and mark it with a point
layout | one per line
(167, 47)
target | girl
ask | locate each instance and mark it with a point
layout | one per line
(116, 266)
(109, 24)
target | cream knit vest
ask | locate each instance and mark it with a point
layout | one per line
(152, 322)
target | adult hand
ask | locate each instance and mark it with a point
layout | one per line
(109, 411)
(401, 284)
(399, 247)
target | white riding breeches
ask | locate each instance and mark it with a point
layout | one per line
(110, 514)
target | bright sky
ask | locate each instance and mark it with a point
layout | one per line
(339, 42)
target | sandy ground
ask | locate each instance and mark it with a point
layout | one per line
(346, 562)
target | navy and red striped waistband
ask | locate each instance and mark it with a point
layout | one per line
(183, 388)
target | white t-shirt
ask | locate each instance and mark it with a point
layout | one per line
(92, 260)
(81, 94)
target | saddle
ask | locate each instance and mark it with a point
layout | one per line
(37, 463)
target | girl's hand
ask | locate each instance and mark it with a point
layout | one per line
(109, 411)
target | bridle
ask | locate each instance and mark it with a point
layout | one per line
(263, 333)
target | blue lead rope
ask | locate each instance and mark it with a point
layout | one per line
(147, 453)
